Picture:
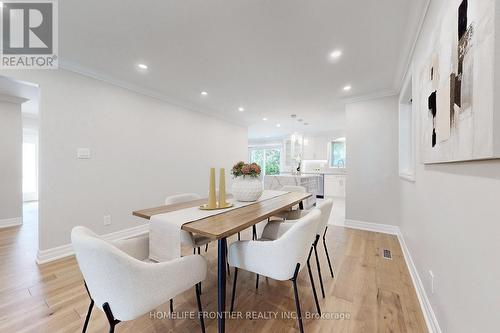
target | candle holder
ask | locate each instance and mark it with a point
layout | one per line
(221, 203)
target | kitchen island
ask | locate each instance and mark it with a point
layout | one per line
(309, 181)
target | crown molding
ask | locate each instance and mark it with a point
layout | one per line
(77, 69)
(12, 99)
(368, 97)
(406, 65)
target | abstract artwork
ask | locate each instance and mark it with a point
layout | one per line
(457, 85)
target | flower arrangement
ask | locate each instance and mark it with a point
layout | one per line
(244, 169)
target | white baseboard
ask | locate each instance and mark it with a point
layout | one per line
(4, 223)
(55, 253)
(425, 305)
(375, 227)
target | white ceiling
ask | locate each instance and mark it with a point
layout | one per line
(271, 57)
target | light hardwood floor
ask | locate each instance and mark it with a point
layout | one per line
(376, 294)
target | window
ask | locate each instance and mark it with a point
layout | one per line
(338, 153)
(268, 159)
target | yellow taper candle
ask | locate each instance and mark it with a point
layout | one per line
(212, 201)
(222, 188)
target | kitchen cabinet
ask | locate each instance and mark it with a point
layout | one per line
(335, 185)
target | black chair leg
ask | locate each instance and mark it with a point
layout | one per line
(171, 305)
(194, 250)
(206, 247)
(87, 318)
(239, 236)
(89, 312)
(312, 285)
(326, 251)
(234, 288)
(198, 250)
(297, 302)
(318, 265)
(200, 309)
(111, 319)
(257, 282)
(254, 232)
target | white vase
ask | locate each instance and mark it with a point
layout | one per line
(246, 188)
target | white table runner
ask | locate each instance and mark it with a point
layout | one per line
(165, 229)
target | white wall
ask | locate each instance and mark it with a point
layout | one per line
(451, 222)
(143, 149)
(372, 191)
(10, 160)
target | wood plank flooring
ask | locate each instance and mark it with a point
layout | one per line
(368, 294)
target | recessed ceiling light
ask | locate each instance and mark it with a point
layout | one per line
(142, 67)
(241, 109)
(204, 93)
(264, 119)
(278, 125)
(347, 88)
(335, 54)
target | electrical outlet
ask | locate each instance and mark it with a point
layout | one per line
(107, 219)
(83, 153)
(431, 280)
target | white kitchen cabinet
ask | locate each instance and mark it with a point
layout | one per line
(335, 185)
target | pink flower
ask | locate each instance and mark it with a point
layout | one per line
(245, 169)
(255, 168)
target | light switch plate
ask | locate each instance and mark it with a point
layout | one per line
(83, 153)
(107, 220)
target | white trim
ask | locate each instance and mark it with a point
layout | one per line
(375, 227)
(12, 99)
(407, 176)
(405, 96)
(425, 304)
(401, 74)
(5, 223)
(429, 316)
(370, 96)
(55, 253)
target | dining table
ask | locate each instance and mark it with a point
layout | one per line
(225, 224)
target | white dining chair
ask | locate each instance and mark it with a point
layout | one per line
(289, 188)
(121, 281)
(276, 228)
(187, 238)
(280, 259)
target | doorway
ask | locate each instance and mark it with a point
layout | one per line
(30, 165)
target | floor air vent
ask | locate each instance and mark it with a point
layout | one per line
(387, 254)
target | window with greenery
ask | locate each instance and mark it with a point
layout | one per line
(267, 158)
(338, 154)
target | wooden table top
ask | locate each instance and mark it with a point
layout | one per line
(232, 221)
